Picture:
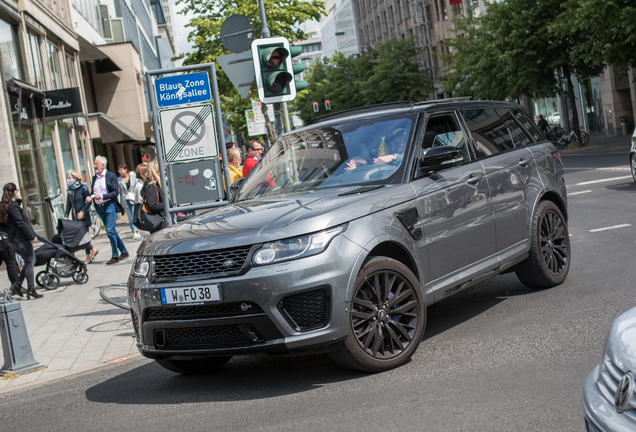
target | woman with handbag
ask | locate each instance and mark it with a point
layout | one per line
(151, 215)
(15, 222)
(76, 194)
(127, 198)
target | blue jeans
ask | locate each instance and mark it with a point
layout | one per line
(131, 214)
(108, 215)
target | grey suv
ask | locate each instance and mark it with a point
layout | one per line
(347, 229)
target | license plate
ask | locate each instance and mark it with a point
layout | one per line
(191, 295)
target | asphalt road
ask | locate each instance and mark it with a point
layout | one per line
(496, 357)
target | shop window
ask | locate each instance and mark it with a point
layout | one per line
(51, 171)
(29, 187)
(9, 49)
(34, 60)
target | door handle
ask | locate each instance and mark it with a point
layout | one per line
(524, 162)
(474, 179)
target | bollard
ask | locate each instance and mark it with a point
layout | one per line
(18, 356)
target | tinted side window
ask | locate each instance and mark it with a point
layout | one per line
(519, 136)
(489, 132)
(444, 130)
(527, 125)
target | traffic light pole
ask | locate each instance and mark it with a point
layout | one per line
(265, 33)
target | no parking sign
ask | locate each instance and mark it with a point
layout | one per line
(188, 133)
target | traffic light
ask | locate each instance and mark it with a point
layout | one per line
(327, 104)
(315, 106)
(298, 68)
(273, 69)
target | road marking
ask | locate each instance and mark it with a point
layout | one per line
(603, 180)
(579, 193)
(610, 228)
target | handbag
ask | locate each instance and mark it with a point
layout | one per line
(130, 196)
(146, 221)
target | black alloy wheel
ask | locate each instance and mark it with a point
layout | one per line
(387, 318)
(549, 258)
(553, 245)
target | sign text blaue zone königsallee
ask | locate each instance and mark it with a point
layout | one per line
(183, 89)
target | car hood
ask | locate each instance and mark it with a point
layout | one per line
(273, 218)
(621, 342)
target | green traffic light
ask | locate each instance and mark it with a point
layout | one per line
(277, 81)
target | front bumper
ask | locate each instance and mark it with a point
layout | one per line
(601, 412)
(265, 323)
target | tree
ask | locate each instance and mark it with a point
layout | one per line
(283, 17)
(514, 50)
(611, 26)
(388, 73)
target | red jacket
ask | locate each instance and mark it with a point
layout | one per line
(249, 164)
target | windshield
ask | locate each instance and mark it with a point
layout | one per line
(358, 152)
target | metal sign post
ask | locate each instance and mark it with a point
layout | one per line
(192, 87)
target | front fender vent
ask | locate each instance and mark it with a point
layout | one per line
(409, 218)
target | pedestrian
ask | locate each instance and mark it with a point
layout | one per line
(105, 192)
(254, 152)
(76, 194)
(127, 182)
(228, 145)
(233, 163)
(15, 222)
(543, 125)
(152, 194)
(7, 255)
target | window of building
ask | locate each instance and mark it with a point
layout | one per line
(54, 66)
(379, 27)
(358, 11)
(399, 10)
(444, 8)
(386, 24)
(9, 49)
(361, 37)
(34, 60)
(70, 70)
(375, 3)
(437, 14)
(407, 11)
(392, 16)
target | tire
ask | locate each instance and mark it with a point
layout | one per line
(632, 162)
(585, 138)
(39, 278)
(378, 340)
(50, 281)
(549, 261)
(194, 367)
(80, 277)
(96, 224)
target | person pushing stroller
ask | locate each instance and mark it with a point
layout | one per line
(77, 193)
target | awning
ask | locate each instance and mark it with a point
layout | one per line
(109, 130)
(91, 53)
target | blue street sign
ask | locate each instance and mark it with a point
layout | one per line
(183, 89)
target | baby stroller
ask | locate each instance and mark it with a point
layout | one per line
(58, 256)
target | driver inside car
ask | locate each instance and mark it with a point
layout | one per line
(396, 143)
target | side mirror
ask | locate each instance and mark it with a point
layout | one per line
(440, 158)
(236, 185)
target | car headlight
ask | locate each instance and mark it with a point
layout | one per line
(298, 247)
(141, 266)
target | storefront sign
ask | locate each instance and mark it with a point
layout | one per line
(62, 103)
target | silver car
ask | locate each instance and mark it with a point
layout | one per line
(609, 392)
(348, 229)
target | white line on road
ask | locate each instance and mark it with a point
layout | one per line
(603, 180)
(579, 193)
(609, 228)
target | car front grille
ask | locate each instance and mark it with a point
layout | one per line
(206, 337)
(306, 311)
(208, 263)
(206, 311)
(610, 376)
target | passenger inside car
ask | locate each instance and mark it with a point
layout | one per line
(391, 150)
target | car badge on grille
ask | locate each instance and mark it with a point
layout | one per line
(623, 392)
(245, 307)
(229, 263)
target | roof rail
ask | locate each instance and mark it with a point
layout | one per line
(362, 110)
(453, 99)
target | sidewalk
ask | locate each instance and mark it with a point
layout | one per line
(613, 142)
(72, 329)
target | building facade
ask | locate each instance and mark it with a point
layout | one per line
(73, 86)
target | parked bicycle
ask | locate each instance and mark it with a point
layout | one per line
(562, 139)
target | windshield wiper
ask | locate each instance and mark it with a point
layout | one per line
(361, 189)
